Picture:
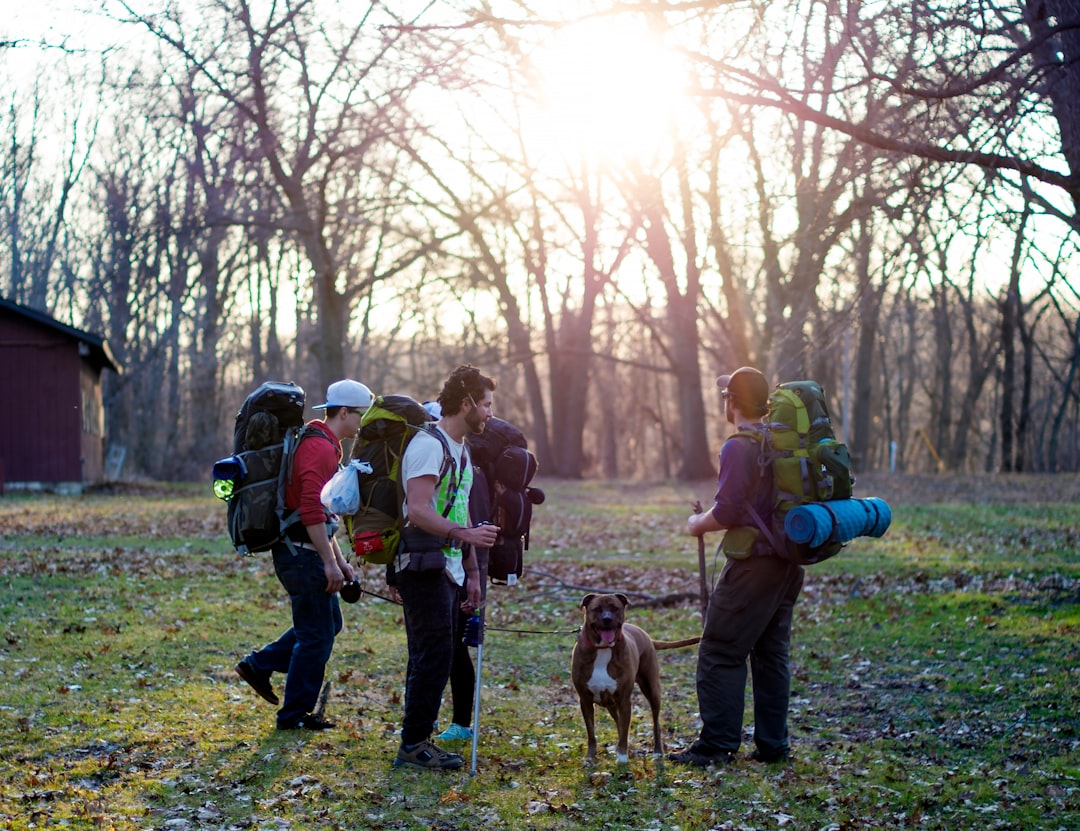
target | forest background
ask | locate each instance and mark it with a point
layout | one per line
(601, 204)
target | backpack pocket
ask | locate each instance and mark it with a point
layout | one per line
(506, 561)
(738, 542)
(254, 520)
(835, 458)
(375, 537)
(513, 513)
(515, 468)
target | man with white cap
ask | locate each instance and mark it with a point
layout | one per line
(312, 569)
(751, 606)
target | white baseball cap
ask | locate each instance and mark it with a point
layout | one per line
(434, 409)
(346, 393)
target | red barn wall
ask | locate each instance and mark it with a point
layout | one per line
(41, 419)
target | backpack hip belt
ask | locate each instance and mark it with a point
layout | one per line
(415, 539)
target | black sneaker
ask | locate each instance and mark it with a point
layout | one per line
(428, 757)
(769, 758)
(259, 681)
(308, 722)
(702, 760)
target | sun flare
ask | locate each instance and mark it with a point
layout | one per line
(609, 89)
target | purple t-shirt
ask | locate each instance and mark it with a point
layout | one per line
(745, 478)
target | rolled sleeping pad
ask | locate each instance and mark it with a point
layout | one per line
(843, 519)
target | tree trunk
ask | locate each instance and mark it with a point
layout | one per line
(1007, 308)
(570, 369)
(1058, 58)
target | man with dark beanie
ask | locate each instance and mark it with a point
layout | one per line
(750, 609)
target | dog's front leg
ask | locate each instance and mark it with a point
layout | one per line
(623, 712)
(588, 714)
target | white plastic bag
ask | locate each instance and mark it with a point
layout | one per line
(341, 494)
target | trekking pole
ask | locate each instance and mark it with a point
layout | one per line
(704, 583)
(474, 636)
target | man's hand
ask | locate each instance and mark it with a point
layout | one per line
(335, 578)
(471, 604)
(479, 536)
(700, 522)
(342, 561)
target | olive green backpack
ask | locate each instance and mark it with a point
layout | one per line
(809, 464)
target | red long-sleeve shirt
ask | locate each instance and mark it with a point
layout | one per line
(314, 463)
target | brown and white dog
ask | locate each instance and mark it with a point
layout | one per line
(609, 657)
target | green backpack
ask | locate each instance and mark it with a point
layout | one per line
(809, 464)
(386, 429)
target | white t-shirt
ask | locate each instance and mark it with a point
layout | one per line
(424, 457)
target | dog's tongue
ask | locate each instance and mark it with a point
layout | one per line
(607, 635)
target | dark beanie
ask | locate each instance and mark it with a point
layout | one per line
(749, 389)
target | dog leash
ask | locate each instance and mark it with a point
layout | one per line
(537, 631)
(489, 628)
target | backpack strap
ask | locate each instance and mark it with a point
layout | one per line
(765, 457)
(456, 470)
(288, 453)
(764, 528)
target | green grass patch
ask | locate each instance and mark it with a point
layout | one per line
(935, 678)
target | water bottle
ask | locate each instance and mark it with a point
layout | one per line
(223, 488)
(227, 473)
(474, 631)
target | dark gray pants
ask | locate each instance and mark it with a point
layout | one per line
(430, 599)
(749, 617)
(462, 672)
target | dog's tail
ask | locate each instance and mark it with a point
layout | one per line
(675, 644)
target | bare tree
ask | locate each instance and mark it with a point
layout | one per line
(1062, 453)
(320, 98)
(310, 196)
(961, 85)
(667, 230)
(50, 132)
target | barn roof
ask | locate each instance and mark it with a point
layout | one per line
(96, 347)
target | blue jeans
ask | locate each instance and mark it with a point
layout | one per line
(303, 650)
(430, 599)
(749, 617)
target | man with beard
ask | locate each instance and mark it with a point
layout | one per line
(437, 554)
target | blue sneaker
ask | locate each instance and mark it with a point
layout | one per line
(455, 733)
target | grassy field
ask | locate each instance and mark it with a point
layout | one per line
(936, 674)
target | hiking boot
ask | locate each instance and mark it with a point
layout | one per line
(308, 722)
(690, 756)
(455, 733)
(427, 756)
(258, 681)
